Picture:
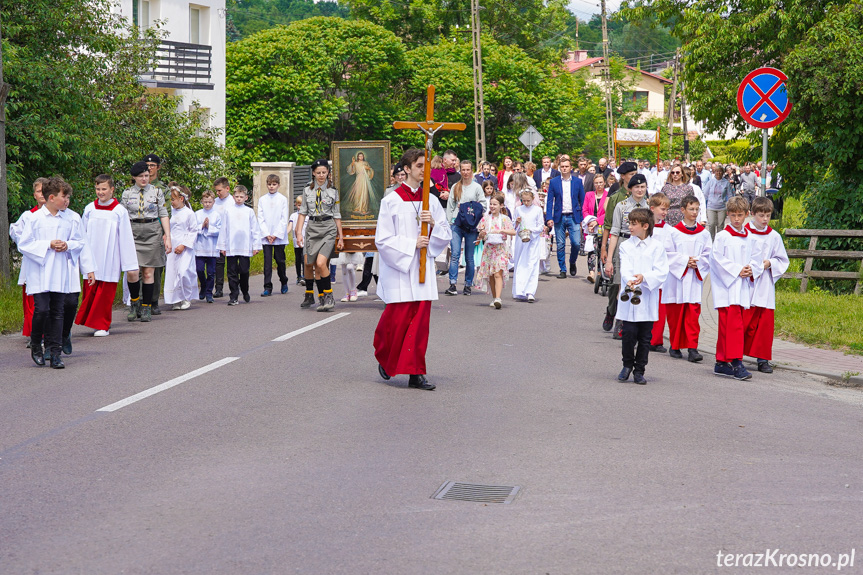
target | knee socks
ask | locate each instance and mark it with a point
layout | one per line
(310, 284)
(324, 286)
(134, 290)
(147, 293)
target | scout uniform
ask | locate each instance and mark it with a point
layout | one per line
(321, 207)
(157, 273)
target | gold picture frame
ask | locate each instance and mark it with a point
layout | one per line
(361, 173)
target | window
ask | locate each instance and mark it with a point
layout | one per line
(638, 98)
(141, 13)
(194, 25)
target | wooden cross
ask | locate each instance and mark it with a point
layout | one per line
(429, 128)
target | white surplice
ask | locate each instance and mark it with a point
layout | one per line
(109, 237)
(49, 270)
(773, 249)
(527, 254)
(684, 285)
(399, 261)
(240, 234)
(273, 218)
(15, 231)
(646, 257)
(181, 280)
(205, 244)
(730, 254)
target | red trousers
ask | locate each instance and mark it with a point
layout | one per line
(27, 304)
(683, 325)
(658, 325)
(96, 306)
(729, 340)
(402, 337)
(758, 338)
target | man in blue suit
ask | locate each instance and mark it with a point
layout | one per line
(563, 211)
(544, 173)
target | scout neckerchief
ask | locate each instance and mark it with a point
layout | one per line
(140, 203)
(319, 208)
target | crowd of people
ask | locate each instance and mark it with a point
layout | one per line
(498, 223)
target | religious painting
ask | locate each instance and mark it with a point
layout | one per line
(361, 173)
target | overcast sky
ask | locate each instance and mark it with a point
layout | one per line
(585, 8)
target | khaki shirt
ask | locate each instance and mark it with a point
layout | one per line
(154, 203)
(329, 201)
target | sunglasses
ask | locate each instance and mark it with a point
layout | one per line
(677, 172)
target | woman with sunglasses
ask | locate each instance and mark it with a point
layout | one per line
(676, 188)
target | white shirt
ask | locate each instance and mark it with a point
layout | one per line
(110, 240)
(646, 257)
(221, 204)
(684, 284)
(15, 231)
(729, 255)
(240, 234)
(205, 243)
(399, 259)
(772, 248)
(293, 219)
(566, 186)
(273, 218)
(49, 270)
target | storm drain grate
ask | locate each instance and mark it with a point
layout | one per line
(454, 490)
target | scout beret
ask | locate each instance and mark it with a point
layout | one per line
(318, 163)
(398, 169)
(152, 158)
(627, 167)
(139, 168)
(637, 179)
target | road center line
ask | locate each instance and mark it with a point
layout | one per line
(168, 384)
(297, 332)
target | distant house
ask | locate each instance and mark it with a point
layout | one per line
(649, 89)
(191, 60)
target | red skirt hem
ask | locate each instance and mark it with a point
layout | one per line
(401, 337)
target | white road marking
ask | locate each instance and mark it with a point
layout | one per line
(168, 384)
(295, 333)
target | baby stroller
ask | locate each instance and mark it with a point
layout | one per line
(602, 281)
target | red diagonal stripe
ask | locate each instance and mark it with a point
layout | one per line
(765, 98)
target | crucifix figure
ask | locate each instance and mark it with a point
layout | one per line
(429, 128)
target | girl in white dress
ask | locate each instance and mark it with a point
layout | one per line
(181, 279)
(529, 223)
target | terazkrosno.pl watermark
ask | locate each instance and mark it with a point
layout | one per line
(776, 558)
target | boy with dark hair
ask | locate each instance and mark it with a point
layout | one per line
(734, 268)
(239, 240)
(53, 244)
(643, 269)
(222, 189)
(758, 319)
(273, 216)
(688, 263)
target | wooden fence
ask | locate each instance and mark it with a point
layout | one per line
(815, 254)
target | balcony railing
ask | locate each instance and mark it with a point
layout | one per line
(181, 65)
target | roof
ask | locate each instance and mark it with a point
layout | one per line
(573, 66)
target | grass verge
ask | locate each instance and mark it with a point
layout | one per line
(821, 319)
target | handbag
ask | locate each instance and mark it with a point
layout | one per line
(469, 216)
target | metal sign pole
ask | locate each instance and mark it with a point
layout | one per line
(764, 166)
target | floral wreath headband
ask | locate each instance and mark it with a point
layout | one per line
(179, 191)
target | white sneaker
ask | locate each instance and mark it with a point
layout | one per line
(530, 298)
(185, 304)
(177, 306)
(492, 303)
(345, 299)
(101, 333)
(497, 303)
(359, 269)
(354, 297)
(362, 293)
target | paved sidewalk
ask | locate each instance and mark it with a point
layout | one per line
(786, 354)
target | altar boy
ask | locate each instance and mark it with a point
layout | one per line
(112, 245)
(401, 337)
(643, 265)
(53, 243)
(758, 319)
(273, 221)
(239, 240)
(15, 231)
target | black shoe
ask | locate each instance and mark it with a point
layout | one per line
(201, 296)
(572, 269)
(38, 355)
(420, 382)
(154, 309)
(639, 378)
(618, 330)
(301, 281)
(561, 275)
(218, 294)
(309, 300)
(675, 353)
(383, 373)
(607, 322)
(266, 293)
(694, 356)
(56, 362)
(765, 366)
(327, 303)
(658, 348)
(284, 288)
(67, 344)
(466, 290)
(247, 297)
(452, 290)
(624, 374)
(443, 273)
(233, 302)
(209, 299)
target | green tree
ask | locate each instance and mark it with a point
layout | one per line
(291, 90)
(77, 108)
(247, 17)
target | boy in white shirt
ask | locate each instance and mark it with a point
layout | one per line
(658, 205)
(110, 241)
(15, 231)
(273, 221)
(239, 240)
(53, 244)
(206, 253)
(644, 268)
(758, 319)
(222, 189)
(688, 263)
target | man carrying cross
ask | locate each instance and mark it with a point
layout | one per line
(401, 338)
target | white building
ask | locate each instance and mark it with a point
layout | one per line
(191, 59)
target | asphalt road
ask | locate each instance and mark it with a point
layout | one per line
(296, 458)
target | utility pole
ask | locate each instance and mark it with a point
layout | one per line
(670, 115)
(5, 264)
(576, 34)
(606, 76)
(478, 105)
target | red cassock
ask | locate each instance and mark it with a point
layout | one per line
(27, 303)
(402, 337)
(659, 325)
(683, 326)
(729, 340)
(97, 304)
(758, 337)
